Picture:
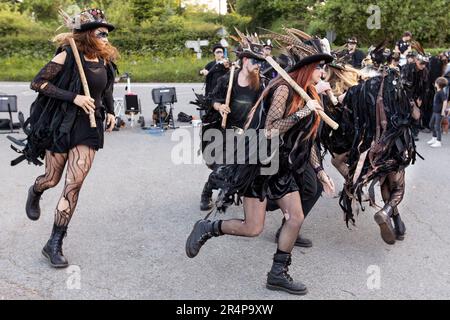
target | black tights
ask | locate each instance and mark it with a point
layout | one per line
(255, 212)
(79, 161)
(393, 189)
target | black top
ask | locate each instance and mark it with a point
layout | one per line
(243, 99)
(356, 58)
(97, 79)
(402, 45)
(415, 81)
(438, 101)
(215, 71)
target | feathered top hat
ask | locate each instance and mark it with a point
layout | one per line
(249, 46)
(86, 20)
(300, 48)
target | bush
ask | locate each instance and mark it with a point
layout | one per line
(15, 23)
(146, 68)
(31, 46)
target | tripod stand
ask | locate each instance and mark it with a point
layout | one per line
(168, 118)
(8, 104)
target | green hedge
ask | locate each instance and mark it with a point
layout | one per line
(166, 44)
(144, 68)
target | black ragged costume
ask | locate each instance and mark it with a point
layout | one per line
(53, 114)
(294, 156)
(340, 140)
(415, 81)
(383, 142)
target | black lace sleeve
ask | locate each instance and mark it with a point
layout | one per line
(42, 83)
(275, 118)
(315, 160)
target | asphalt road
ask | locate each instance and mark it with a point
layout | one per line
(136, 208)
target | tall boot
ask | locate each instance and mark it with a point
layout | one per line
(206, 198)
(400, 228)
(53, 249)
(203, 231)
(32, 207)
(383, 218)
(299, 242)
(279, 279)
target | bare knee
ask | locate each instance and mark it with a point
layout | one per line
(294, 219)
(253, 230)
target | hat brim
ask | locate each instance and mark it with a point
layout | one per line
(248, 54)
(217, 47)
(326, 58)
(95, 25)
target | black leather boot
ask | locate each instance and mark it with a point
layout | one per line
(383, 218)
(32, 207)
(203, 231)
(279, 279)
(53, 249)
(206, 198)
(299, 242)
(400, 228)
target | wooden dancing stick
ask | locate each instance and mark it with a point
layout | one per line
(83, 79)
(300, 91)
(228, 98)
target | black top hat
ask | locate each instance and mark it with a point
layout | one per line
(301, 49)
(217, 46)
(254, 51)
(249, 46)
(87, 20)
(317, 55)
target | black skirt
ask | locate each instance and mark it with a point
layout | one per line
(81, 134)
(272, 187)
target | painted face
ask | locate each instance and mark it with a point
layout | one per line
(102, 34)
(253, 65)
(218, 54)
(318, 74)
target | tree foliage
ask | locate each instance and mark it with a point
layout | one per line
(429, 21)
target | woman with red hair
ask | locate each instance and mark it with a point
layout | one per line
(61, 132)
(296, 122)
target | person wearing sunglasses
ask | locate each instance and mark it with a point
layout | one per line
(296, 120)
(61, 129)
(247, 85)
(215, 69)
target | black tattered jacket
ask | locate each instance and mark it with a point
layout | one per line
(53, 113)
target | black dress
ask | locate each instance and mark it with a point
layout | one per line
(81, 132)
(55, 122)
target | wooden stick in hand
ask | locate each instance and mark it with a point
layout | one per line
(300, 91)
(228, 98)
(83, 79)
